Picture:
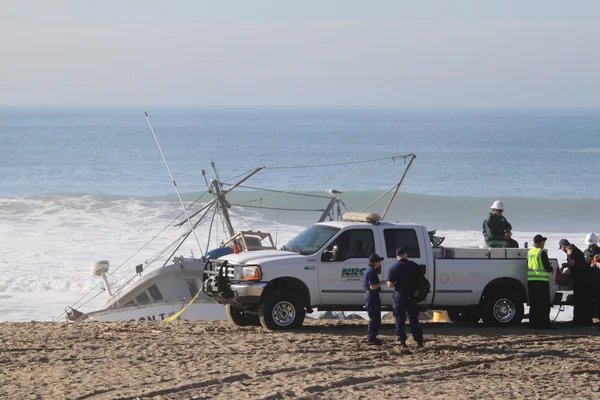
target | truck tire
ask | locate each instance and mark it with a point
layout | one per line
(502, 308)
(460, 317)
(281, 310)
(240, 318)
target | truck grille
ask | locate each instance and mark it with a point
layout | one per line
(228, 270)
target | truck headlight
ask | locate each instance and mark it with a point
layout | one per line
(249, 273)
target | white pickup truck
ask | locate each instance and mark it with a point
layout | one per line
(322, 268)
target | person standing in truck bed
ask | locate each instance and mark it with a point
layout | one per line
(497, 231)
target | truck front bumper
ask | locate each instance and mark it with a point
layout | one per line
(243, 295)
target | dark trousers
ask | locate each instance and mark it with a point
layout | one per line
(508, 243)
(373, 305)
(583, 308)
(596, 292)
(405, 305)
(539, 304)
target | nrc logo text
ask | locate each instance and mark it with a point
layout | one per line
(352, 272)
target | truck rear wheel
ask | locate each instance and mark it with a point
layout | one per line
(240, 318)
(502, 308)
(281, 310)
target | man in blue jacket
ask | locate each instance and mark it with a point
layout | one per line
(372, 286)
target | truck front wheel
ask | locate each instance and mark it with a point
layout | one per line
(281, 310)
(502, 308)
(240, 318)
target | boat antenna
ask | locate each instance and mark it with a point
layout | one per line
(164, 159)
(205, 180)
(214, 167)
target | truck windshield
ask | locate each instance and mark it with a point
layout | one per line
(311, 240)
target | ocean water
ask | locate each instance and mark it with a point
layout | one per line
(81, 185)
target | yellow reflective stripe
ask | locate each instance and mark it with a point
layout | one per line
(535, 267)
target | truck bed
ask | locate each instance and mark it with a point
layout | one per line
(465, 253)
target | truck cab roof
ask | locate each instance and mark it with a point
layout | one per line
(344, 224)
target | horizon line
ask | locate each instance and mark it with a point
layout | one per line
(339, 106)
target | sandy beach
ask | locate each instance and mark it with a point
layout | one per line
(325, 359)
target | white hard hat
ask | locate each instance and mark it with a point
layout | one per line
(498, 205)
(591, 238)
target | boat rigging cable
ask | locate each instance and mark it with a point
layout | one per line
(331, 179)
(165, 160)
(394, 158)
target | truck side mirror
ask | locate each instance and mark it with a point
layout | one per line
(331, 254)
(335, 253)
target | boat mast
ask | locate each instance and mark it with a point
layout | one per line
(387, 207)
(165, 161)
(222, 204)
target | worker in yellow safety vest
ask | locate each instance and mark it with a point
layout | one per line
(538, 284)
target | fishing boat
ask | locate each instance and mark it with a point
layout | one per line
(155, 294)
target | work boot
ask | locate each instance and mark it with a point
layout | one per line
(375, 342)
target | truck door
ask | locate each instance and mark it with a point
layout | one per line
(412, 239)
(342, 264)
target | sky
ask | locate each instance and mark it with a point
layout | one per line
(461, 53)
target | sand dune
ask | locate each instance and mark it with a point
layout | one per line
(325, 359)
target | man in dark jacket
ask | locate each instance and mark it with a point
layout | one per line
(497, 231)
(582, 276)
(401, 277)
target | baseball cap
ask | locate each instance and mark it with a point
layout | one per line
(374, 258)
(539, 239)
(563, 242)
(401, 250)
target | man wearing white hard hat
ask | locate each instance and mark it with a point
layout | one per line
(497, 231)
(593, 249)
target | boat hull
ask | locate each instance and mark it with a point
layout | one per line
(198, 311)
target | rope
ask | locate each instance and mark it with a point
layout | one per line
(178, 313)
(241, 216)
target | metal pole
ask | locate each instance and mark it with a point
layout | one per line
(412, 157)
(165, 160)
